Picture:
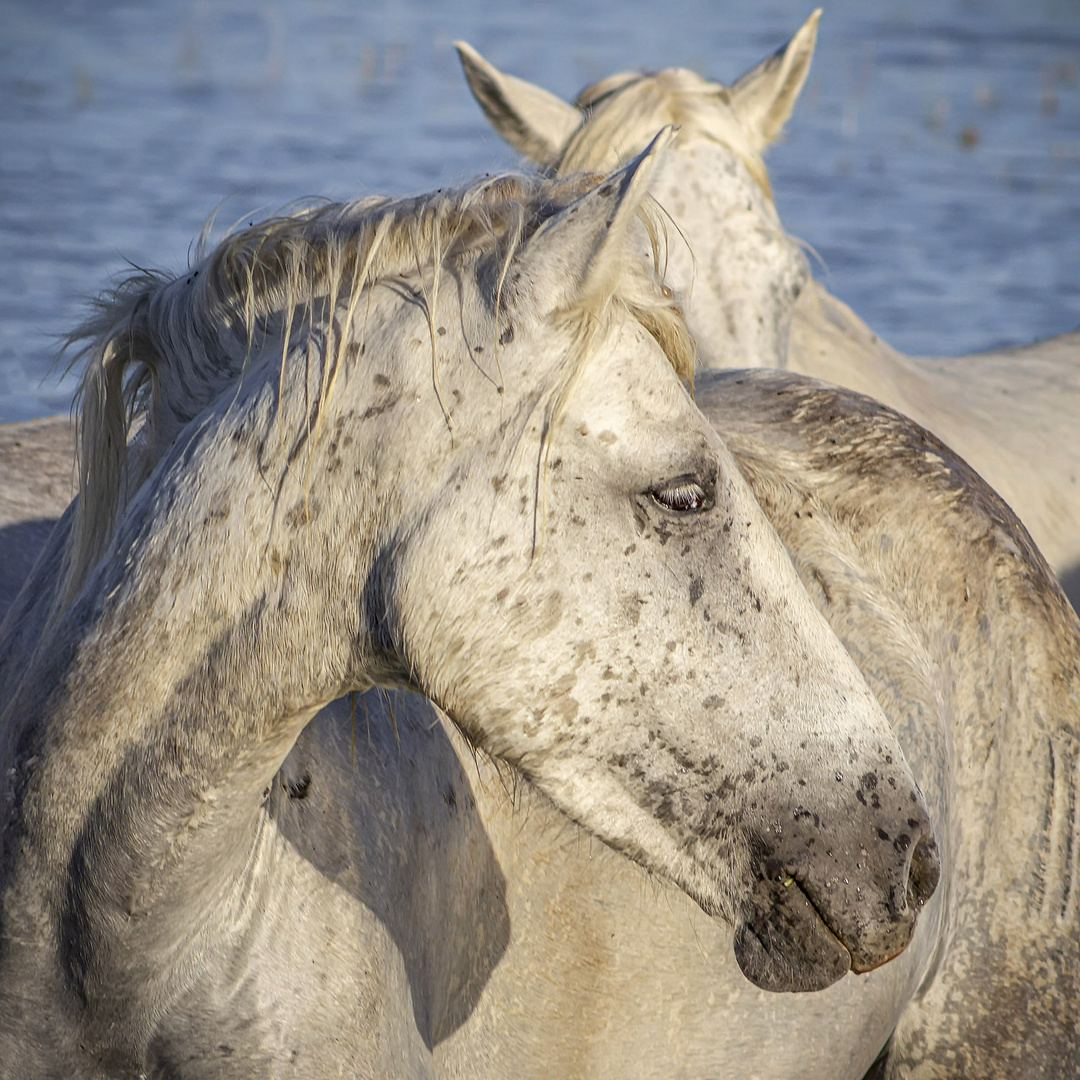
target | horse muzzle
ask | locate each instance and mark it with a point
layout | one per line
(823, 903)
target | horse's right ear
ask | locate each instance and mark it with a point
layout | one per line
(533, 121)
(579, 252)
(765, 96)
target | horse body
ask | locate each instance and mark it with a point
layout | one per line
(275, 540)
(750, 302)
(37, 465)
(495, 934)
(1006, 411)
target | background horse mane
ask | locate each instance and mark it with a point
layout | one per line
(637, 104)
(161, 348)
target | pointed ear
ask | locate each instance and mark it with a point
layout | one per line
(578, 252)
(765, 96)
(534, 122)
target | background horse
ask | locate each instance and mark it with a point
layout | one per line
(439, 443)
(37, 462)
(1011, 413)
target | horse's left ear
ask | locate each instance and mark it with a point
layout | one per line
(574, 254)
(765, 96)
(533, 121)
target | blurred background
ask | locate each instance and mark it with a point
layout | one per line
(933, 163)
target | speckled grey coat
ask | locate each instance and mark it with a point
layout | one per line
(553, 544)
(489, 935)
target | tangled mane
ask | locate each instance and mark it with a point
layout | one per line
(159, 349)
(623, 110)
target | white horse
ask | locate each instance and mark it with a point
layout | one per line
(439, 443)
(507, 940)
(1011, 413)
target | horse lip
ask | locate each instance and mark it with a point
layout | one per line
(793, 882)
(859, 964)
(782, 942)
(785, 942)
(863, 969)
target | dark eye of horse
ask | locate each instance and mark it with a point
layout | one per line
(682, 497)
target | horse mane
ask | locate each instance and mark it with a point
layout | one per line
(635, 105)
(159, 349)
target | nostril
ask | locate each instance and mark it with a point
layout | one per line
(923, 872)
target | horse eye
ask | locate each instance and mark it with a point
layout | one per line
(682, 497)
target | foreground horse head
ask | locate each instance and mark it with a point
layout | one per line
(441, 443)
(740, 287)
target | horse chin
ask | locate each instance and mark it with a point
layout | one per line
(783, 944)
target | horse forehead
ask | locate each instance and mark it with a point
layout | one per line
(671, 95)
(626, 376)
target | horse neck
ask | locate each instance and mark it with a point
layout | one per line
(733, 261)
(164, 700)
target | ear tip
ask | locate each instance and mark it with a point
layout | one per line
(662, 140)
(644, 163)
(471, 60)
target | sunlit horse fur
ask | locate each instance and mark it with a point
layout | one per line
(437, 443)
(513, 942)
(1011, 413)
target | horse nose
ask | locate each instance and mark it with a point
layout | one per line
(915, 874)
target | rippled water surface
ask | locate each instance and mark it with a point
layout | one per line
(933, 162)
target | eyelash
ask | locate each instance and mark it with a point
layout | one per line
(682, 497)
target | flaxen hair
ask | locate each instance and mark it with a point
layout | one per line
(623, 110)
(159, 349)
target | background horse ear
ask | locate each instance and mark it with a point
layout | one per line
(576, 254)
(534, 122)
(765, 96)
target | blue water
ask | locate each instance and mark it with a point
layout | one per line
(933, 162)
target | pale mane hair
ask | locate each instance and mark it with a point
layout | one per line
(623, 110)
(159, 349)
